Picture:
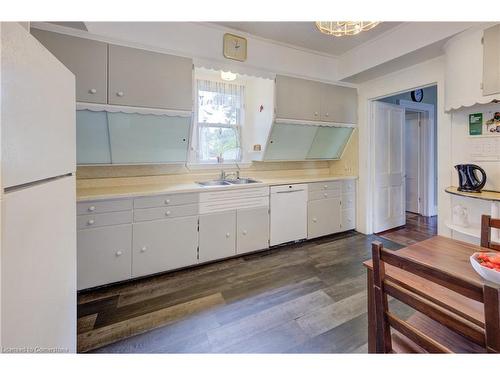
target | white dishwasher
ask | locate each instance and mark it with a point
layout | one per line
(288, 213)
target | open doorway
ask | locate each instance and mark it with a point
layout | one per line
(405, 164)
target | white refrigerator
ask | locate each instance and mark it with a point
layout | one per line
(38, 219)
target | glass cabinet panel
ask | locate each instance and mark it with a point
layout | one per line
(139, 138)
(289, 142)
(306, 142)
(329, 142)
(92, 138)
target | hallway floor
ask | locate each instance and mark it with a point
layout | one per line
(418, 228)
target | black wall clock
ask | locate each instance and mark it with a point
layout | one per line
(417, 95)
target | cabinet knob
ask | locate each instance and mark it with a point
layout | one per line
(325, 195)
(228, 235)
(167, 201)
(143, 249)
(315, 113)
(326, 114)
(314, 220)
(325, 186)
(167, 213)
(90, 222)
(119, 253)
(119, 93)
(92, 208)
(92, 91)
(244, 232)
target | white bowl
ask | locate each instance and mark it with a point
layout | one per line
(485, 272)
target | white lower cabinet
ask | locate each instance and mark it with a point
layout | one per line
(348, 219)
(323, 217)
(164, 245)
(217, 236)
(104, 255)
(252, 229)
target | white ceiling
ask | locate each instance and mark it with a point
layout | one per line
(306, 35)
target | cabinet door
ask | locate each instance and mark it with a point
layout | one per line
(339, 104)
(104, 255)
(86, 58)
(164, 245)
(217, 236)
(491, 60)
(297, 98)
(252, 229)
(323, 217)
(348, 219)
(149, 79)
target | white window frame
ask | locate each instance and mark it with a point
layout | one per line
(197, 126)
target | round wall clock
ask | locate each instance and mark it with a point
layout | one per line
(417, 95)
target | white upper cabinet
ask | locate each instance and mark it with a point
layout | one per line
(491, 60)
(339, 104)
(149, 79)
(301, 99)
(87, 60)
(297, 98)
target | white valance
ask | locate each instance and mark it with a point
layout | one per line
(94, 107)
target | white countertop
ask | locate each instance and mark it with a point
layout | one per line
(137, 190)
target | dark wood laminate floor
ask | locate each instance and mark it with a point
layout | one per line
(418, 228)
(303, 298)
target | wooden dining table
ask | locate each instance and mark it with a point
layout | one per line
(446, 254)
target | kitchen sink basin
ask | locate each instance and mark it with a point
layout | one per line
(213, 183)
(242, 181)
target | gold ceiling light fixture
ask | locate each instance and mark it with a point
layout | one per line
(343, 28)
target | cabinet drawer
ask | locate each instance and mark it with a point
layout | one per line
(348, 186)
(348, 219)
(166, 200)
(146, 214)
(97, 207)
(327, 185)
(325, 194)
(347, 201)
(104, 255)
(100, 220)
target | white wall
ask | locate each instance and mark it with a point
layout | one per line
(425, 74)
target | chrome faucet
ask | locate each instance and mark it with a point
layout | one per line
(224, 175)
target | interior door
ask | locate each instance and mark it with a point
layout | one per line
(389, 171)
(412, 160)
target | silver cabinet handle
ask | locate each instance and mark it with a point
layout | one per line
(244, 232)
(90, 222)
(143, 249)
(167, 201)
(228, 235)
(92, 91)
(119, 93)
(119, 253)
(92, 208)
(167, 213)
(315, 220)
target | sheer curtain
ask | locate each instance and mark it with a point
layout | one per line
(219, 118)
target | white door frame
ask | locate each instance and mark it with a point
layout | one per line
(427, 173)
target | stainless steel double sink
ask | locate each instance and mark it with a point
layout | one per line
(237, 181)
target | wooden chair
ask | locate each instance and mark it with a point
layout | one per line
(433, 329)
(486, 224)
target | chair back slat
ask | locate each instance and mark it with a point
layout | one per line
(419, 338)
(437, 313)
(488, 338)
(486, 224)
(435, 275)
